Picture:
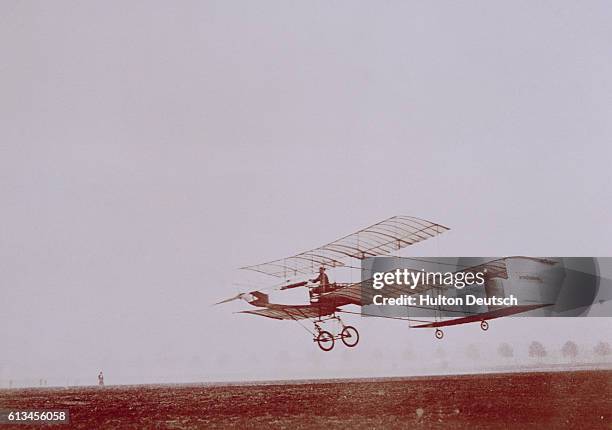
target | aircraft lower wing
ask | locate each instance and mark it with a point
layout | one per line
(293, 312)
(498, 313)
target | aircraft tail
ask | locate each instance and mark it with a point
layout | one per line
(255, 298)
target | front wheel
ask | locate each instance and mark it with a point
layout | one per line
(325, 340)
(349, 336)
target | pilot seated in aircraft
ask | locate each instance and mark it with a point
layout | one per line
(324, 285)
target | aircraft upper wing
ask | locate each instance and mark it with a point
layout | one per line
(382, 238)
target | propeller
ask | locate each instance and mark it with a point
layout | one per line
(296, 285)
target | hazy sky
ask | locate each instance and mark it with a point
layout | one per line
(148, 149)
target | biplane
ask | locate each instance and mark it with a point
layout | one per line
(327, 301)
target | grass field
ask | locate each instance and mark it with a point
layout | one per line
(581, 399)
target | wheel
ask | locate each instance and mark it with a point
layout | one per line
(484, 325)
(439, 334)
(349, 336)
(325, 340)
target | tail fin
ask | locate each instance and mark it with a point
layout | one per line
(256, 298)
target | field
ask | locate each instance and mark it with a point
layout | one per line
(573, 400)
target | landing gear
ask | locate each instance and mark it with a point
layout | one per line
(439, 334)
(349, 336)
(484, 325)
(326, 341)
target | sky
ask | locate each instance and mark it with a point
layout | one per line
(147, 150)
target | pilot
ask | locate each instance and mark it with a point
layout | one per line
(322, 279)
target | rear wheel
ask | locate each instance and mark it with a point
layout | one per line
(325, 340)
(439, 334)
(349, 336)
(484, 325)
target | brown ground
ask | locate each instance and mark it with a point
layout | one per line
(573, 400)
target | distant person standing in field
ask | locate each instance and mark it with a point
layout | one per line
(101, 379)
